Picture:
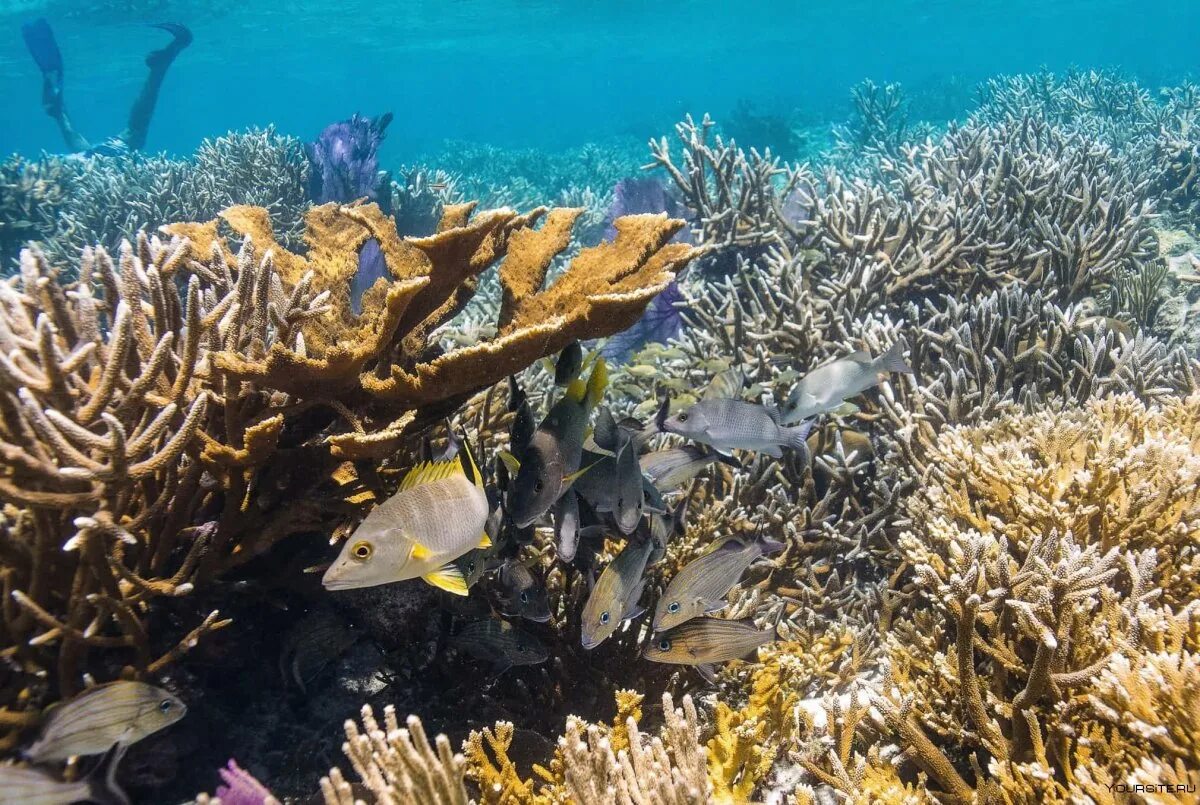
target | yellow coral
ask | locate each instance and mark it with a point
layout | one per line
(490, 768)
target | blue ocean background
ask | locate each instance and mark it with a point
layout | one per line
(551, 75)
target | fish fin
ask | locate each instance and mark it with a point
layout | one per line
(770, 546)
(102, 780)
(466, 460)
(725, 458)
(449, 578)
(705, 670)
(797, 436)
(605, 433)
(773, 412)
(597, 382)
(428, 472)
(590, 446)
(893, 360)
(660, 416)
(773, 451)
(484, 541)
(420, 552)
(576, 390)
(635, 608)
(846, 409)
(858, 356)
(715, 606)
(573, 477)
(511, 462)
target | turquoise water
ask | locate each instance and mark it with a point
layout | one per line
(543, 74)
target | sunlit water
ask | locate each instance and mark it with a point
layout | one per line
(546, 74)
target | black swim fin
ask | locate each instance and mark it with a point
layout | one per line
(43, 47)
(164, 56)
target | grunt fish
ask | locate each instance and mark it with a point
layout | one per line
(501, 644)
(700, 586)
(550, 463)
(704, 641)
(438, 514)
(615, 595)
(29, 785)
(827, 387)
(614, 482)
(117, 713)
(522, 593)
(726, 424)
(663, 523)
(672, 468)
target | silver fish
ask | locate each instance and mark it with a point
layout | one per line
(29, 785)
(501, 644)
(615, 595)
(672, 468)
(438, 514)
(117, 713)
(827, 387)
(726, 424)
(550, 462)
(700, 586)
(704, 641)
(522, 593)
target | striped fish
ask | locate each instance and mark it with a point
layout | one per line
(727, 424)
(117, 713)
(672, 468)
(704, 641)
(701, 585)
(615, 596)
(29, 785)
(501, 644)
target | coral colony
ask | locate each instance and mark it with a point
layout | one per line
(975, 581)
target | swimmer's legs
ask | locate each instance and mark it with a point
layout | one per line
(158, 61)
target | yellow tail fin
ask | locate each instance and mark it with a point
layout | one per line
(448, 578)
(597, 382)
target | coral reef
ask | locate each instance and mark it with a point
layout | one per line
(164, 417)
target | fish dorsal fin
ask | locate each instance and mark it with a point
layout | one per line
(573, 477)
(576, 390)
(428, 472)
(467, 464)
(605, 433)
(511, 462)
(449, 578)
(861, 356)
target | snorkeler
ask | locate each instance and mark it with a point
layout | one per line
(39, 38)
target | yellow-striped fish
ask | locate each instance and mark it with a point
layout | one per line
(438, 514)
(701, 585)
(704, 641)
(117, 713)
(615, 596)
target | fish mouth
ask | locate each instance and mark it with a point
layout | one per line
(337, 584)
(539, 618)
(589, 643)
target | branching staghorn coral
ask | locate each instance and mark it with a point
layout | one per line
(398, 766)
(172, 415)
(31, 196)
(604, 765)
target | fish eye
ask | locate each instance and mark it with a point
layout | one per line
(683, 417)
(362, 550)
(673, 608)
(537, 487)
(524, 598)
(664, 645)
(603, 618)
(166, 705)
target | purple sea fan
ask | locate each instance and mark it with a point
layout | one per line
(648, 194)
(241, 788)
(345, 162)
(663, 318)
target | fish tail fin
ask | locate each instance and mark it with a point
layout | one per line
(576, 390)
(769, 546)
(597, 382)
(102, 780)
(893, 360)
(449, 578)
(796, 437)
